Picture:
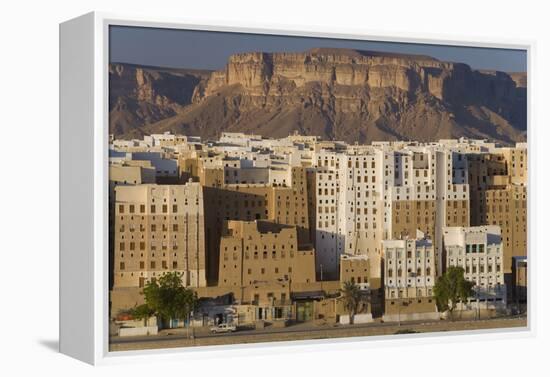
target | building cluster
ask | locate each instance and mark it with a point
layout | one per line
(280, 225)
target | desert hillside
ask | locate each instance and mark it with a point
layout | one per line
(339, 94)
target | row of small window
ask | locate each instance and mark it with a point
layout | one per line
(366, 226)
(365, 178)
(270, 296)
(153, 265)
(409, 262)
(359, 279)
(152, 255)
(455, 219)
(419, 219)
(409, 281)
(400, 295)
(427, 205)
(474, 269)
(252, 203)
(327, 176)
(418, 197)
(399, 254)
(410, 272)
(475, 248)
(361, 234)
(256, 255)
(153, 246)
(326, 191)
(153, 208)
(500, 208)
(365, 166)
(262, 271)
(327, 209)
(153, 227)
(406, 173)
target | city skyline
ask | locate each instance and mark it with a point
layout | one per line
(276, 233)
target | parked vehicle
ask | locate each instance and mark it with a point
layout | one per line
(223, 327)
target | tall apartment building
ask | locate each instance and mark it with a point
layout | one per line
(409, 278)
(479, 251)
(370, 194)
(349, 209)
(283, 204)
(159, 228)
(124, 173)
(498, 191)
(253, 252)
(261, 262)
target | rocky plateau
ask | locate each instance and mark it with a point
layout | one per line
(341, 94)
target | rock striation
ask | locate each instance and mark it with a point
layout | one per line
(341, 94)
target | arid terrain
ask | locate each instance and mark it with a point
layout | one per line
(349, 95)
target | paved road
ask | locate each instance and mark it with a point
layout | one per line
(308, 331)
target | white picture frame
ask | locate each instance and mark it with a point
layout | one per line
(84, 43)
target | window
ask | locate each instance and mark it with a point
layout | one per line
(122, 265)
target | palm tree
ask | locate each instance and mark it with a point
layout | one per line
(351, 294)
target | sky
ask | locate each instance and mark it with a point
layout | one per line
(210, 50)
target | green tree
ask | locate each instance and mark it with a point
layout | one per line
(451, 288)
(352, 296)
(167, 298)
(142, 312)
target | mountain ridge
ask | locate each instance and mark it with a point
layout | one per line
(349, 95)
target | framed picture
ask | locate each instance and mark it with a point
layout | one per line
(235, 187)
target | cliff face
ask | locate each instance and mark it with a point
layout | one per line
(143, 95)
(343, 94)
